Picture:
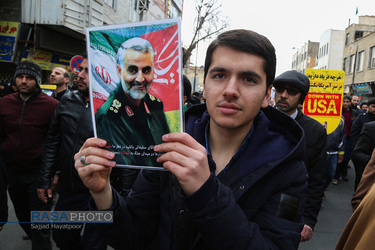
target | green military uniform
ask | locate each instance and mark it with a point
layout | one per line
(130, 131)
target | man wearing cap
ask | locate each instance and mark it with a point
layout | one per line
(291, 89)
(24, 120)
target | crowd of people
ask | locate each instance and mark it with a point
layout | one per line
(244, 175)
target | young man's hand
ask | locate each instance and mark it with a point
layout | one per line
(96, 170)
(186, 159)
(306, 233)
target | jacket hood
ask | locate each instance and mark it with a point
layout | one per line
(274, 131)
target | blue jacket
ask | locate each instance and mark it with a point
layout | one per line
(256, 202)
(336, 139)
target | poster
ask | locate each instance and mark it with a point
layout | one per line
(324, 100)
(8, 40)
(47, 60)
(135, 88)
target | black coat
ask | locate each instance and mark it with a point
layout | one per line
(357, 127)
(252, 204)
(316, 164)
(71, 126)
(365, 145)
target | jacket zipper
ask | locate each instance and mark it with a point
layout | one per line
(76, 141)
(19, 131)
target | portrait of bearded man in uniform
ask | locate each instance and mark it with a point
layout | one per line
(132, 121)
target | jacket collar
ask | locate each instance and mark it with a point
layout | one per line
(274, 131)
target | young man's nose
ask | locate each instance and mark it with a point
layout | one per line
(231, 87)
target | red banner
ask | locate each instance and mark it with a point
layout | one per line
(166, 62)
(322, 104)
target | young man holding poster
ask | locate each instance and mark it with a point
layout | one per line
(236, 179)
(291, 89)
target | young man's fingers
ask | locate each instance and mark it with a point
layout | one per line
(93, 151)
(175, 157)
(94, 142)
(91, 168)
(182, 138)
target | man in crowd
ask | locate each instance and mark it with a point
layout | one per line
(350, 114)
(291, 89)
(235, 179)
(361, 156)
(24, 120)
(74, 79)
(71, 126)
(335, 149)
(355, 131)
(355, 103)
(131, 116)
(364, 106)
(59, 77)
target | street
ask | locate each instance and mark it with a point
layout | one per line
(335, 212)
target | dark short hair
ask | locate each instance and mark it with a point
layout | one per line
(187, 86)
(67, 74)
(347, 97)
(371, 101)
(249, 42)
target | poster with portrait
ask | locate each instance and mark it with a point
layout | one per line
(135, 88)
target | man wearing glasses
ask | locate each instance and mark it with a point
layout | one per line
(291, 89)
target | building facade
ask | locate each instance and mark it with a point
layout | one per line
(51, 32)
(305, 57)
(359, 58)
(331, 47)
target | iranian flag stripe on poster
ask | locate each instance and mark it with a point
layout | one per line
(166, 81)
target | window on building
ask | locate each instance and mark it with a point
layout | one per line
(351, 64)
(360, 60)
(371, 63)
(345, 64)
(327, 48)
(347, 39)
(173, 11)
(111, 3)
(358, 34)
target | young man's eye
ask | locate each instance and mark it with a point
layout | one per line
(218, 76)
(250, 80)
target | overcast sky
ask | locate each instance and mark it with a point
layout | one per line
(288, 23)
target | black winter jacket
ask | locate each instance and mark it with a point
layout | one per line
(256, 202)
(366, 144)
(357, 127)
(70, 128)
(316, 164)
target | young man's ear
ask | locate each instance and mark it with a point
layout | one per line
(204, 88)
(267, 97)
